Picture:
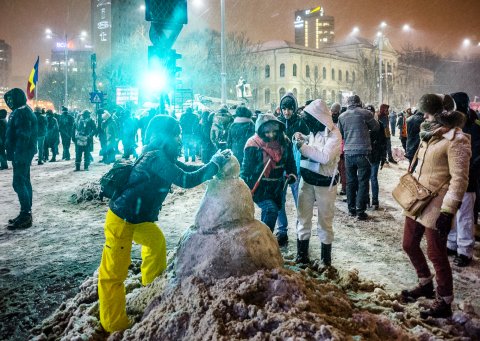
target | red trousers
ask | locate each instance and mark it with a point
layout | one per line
(436, 251)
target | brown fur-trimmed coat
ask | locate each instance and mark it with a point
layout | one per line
(443, 156)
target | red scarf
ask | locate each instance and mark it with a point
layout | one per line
(271, 151)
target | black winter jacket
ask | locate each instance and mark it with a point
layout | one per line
(150, 182)
(190, 123)
(42, 124)
(240, 131)
(379, 144)
(293, 125)
(22, 128)
(52, 138)
(413, 137)
(3, 131)
(65, 125)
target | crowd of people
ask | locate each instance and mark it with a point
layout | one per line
(311, 149)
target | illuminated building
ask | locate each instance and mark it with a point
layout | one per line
(313, 28)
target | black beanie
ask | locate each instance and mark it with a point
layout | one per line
(462, 101)
(288, 103)
(162, 126)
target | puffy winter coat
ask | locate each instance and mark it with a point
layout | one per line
(110, 129)
(190, 123)
(22, 128)
(254, 160)
(150, 182)
(84, 129)
(413, 138)
(42, 124)
(443, 157)
(65, 125)
(355, 125)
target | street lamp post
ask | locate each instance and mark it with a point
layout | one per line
(222, 38)
(380, 82)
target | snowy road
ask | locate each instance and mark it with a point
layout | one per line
(43, 266)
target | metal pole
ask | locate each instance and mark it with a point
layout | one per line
(66, 70)
(380, 46)
(222, 38)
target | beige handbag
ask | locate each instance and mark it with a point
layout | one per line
(411, 195)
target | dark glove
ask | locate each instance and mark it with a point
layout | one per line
(382, 162)
(221, 158)
(444, 224)
(291, 179)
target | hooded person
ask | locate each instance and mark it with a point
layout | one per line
(3, 132)
(461, 238)
(293, 124)
(83, 132)
(111, 135)
(21, 146)
(132, 214)
(267, 158)
(65, 125)
(383, 118)
(220, 126)
(240, 131)
(443, 163)
(320, 152)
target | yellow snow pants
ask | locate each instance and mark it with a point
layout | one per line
(115, 262)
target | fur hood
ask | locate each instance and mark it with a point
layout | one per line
(451, 119)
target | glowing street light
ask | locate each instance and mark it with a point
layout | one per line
(467, 42)
(141, 8)
(355, 30)
(406, 28)
(383, 24)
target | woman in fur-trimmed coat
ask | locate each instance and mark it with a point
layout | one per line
(443, 162)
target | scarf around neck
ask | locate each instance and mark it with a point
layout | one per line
(430, 129)
(271, 151)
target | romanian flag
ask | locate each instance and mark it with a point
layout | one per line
(32, 81)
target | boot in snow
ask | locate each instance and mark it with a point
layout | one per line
(282, 239)
(438, 309)
(302, 252)
(419, 291)
(326, 254)
(77, 167)
(24, 221)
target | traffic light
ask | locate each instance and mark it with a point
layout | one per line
(166, 59)
(166, 12)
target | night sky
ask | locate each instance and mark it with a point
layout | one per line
(442, 25)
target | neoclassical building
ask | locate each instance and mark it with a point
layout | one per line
(334, 72)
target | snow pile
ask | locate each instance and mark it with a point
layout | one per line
(89, 191)
(226, 240)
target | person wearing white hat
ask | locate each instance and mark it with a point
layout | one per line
(318, 169)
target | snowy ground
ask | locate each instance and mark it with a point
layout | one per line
(43, 266)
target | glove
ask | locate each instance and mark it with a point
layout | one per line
(444, 224)
(220, 158)
(291, 178)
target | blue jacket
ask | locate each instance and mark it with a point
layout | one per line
(22, 129)
(355, 125)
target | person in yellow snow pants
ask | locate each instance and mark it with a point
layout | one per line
(113, 271)
(133, 210)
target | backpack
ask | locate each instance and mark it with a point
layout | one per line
(115, 181)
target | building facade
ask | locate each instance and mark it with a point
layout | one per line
(5, 69)
(112, 24)
(313, 28)
(335, 72)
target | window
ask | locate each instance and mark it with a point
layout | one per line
(315, 93)
(315, 72)
(307, 94)
(294, 70)
(267, 71)
(324, 72)
(347, 76)
(340, 75)
(295, 92)
(333, 95)
(324, 95)
(307, 71)
(282, 70)
(267, 96)
(353, 76)
(333, 74)
(282, 92)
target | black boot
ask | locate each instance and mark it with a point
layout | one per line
(11, 221)
(419, 291)
(302, 252)
(282, 239)
(326, 254)
(438, 309)
(24, 221)
(77, 167)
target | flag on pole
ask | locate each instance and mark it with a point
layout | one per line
(32, 81)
